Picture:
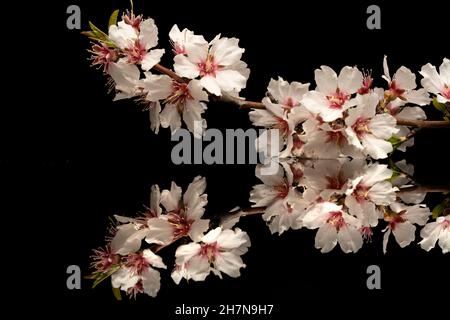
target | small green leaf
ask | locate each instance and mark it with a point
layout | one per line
(104, 275)
(117, 294)
(437, 211)
(113, 18)
(99, 34)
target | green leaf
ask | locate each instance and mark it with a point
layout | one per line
(437, 211)
(104, 275)
(117, 294)
(99, 34)
(113, 18)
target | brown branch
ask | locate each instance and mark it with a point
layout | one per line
(241, 213)
(423, 123)
(424, 188)
(169, 72)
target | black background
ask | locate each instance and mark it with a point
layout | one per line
(72, 158)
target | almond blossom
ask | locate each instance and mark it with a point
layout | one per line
(335, 226)
(401, 220)
(333, 93)
(369, 190)
(402, 85)
(136, 41)
(137, 275)
(218, 251)
(217, 64)
(181, 101)
(369, 131)
(433, 232)
(437, 83)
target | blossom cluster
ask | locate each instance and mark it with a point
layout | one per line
(130, 255)
(128, 54)
(345, 200)
(345, 115)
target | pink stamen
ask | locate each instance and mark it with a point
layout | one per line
(361, 126)
(338, 99)
(208, 67)
(335, 219)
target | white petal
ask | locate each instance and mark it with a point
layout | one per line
(170, 117)
(404, 233)
(405, 79)
(148, 34)
(151, 282)
(326, 238)
(151, 58)
(350, 80)
(229, 263)
(184, 67)
(153, 259)
(198, 228)
(170, 199)
(211, 84)
(350, 239)
(160, 231)
(326, 80)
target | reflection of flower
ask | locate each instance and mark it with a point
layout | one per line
(401, 220)
(436, 231)
(217, 251)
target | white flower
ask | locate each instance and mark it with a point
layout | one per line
(400, 223)
(218, 251)
(402, 85)
(333, 93)
(288, 95)
(335, 226)
(218, 65)
(184, 213)
(368, 131)
(367, 191)
(285, 214)
(182, 100)
(437, 83)
(408, 113)
(434, 231)
(182, 40)
(276, 187)
(137, 42)
(137, 274)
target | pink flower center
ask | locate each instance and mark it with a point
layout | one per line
(335, 137)
(395, 219)
(282, 190)
(180, 94)
(103, 55)
(395, 90)
(338, 99)
(367, 84)
(282, 125)
(445, 224)
(137, 262)
(289, 103)
(361, 193)
(103, 259)
(334, 183)
(209, 251)
(136, 53)
(208, 67)
(181, 224)
(178, 49)
(361, 126)
(446, 92)
(336, 220)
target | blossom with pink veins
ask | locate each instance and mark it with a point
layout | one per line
(333, 94)
(437, 83)
(369, 190)
(182, 101)
(182, 40)
(217, 251)
(217, 64)
(136, 42)
(335, 226)
(368, 131)
(403, 84)
(438, 230)
(184, 213)
(137, 274)
(401, 223)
